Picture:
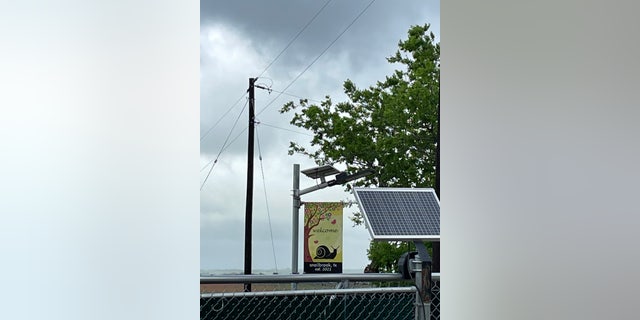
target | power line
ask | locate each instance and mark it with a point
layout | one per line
(206, 165)
(266, 200)
(287, 87)
(294, 38)
(235, 138)
(276, 127)
(223, 145)
(270, 64)
(222, 117)
(320, 55)
(286, 93)
(227, 147)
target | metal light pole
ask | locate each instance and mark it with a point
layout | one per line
(295, 222)
(314, 173)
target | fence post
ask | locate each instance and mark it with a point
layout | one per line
(423, 298)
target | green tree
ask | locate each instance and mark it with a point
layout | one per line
(391, 126)
(384, 255)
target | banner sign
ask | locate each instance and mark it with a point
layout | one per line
(323, 237)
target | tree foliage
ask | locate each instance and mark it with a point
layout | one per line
(391, 126)
(384, 255)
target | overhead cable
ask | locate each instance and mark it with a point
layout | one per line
(320, 55)
(266, 200)
(294, 38)
(220, 119)
(223, 145)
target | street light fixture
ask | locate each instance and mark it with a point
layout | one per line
(314, 173)
(320, 172)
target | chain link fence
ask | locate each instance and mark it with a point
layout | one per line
(347, 300)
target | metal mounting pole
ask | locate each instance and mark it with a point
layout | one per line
(421, 265)
(295, 217)
(423, 296)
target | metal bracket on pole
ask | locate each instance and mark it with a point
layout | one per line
(313, 188)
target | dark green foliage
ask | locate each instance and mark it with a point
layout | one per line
(384, 255)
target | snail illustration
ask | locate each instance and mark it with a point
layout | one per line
(323, 252)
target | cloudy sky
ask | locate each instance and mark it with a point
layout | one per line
(239, 39)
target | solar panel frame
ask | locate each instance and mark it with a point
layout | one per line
(400, 213)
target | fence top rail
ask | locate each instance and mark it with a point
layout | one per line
(309, 292)
(296, 278)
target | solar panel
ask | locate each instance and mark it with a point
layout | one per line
(320, 172)
(400, 213)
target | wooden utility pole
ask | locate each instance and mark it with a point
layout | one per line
(249, 204)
